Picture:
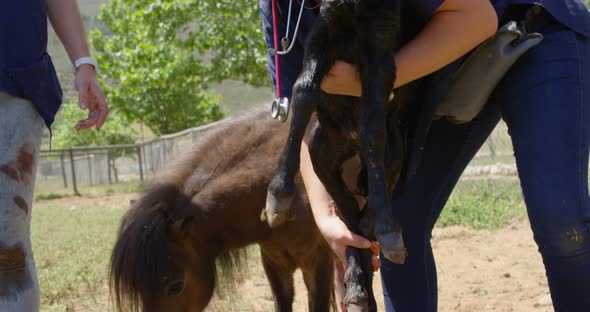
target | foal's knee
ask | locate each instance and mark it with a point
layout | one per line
(306, 95)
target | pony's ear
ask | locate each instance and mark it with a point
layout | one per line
(182, 209)
(182, 214)
(180, 228)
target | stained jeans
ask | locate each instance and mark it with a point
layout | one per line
(544, 101)
(21, 128)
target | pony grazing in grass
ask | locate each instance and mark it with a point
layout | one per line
(193, 220)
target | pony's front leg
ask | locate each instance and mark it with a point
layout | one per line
(378, 78)
(306, 97)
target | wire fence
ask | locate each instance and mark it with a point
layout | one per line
(79, 167)
(74, 168)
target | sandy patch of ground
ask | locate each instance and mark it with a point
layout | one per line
(497, 270)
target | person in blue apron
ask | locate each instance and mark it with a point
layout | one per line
(544, 100)
(30, 96)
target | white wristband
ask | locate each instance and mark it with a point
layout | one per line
(86, 60)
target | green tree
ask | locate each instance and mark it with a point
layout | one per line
(116, 129)
(162, 56)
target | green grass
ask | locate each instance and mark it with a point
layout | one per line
(484, 204)
(238, 97)
(72, 240)
(72, 247)
(109, 189)
(487, 160)
(50, 196)
(119, 188)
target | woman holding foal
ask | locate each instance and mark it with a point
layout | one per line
(542, 98)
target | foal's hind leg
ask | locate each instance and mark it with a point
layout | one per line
(328, 152)
(306, 97)
(377, 82)
(394, 151)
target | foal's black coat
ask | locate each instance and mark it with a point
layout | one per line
(366, 33)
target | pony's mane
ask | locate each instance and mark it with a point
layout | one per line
(140, 253)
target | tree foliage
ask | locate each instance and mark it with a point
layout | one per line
(162, 56)
(116, 130)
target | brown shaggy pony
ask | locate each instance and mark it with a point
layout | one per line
(193, 220)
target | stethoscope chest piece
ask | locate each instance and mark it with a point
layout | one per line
(280, 109)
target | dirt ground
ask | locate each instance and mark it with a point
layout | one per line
(497, 270)
(478, 270)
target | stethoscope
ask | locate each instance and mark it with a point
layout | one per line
(280, 106)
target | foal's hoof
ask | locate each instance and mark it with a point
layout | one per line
(356, 301)
(357, 308)
(278, 208)
(392, 247)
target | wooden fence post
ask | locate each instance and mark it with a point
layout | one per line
(109, 167)
(90, 169)
(74, 183)
(140, 162)
(63, 170)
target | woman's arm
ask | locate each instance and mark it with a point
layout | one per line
(67, 22)
(456, 28)
(333, 229)
(324, 210)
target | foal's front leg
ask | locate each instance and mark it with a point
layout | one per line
(377, 80)
(306, 98)
(358, 278)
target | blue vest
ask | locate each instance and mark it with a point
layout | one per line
(571, 13)
(26, 70)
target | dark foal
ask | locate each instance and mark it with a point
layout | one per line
(366, 33)
(191, 222)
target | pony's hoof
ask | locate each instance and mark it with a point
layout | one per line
(392, 247)
(277, 209)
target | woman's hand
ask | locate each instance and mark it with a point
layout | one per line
(91, 97)
(339, 237)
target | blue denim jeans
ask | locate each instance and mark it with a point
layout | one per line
(544, 101)
(291, 63)
(21, 128)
